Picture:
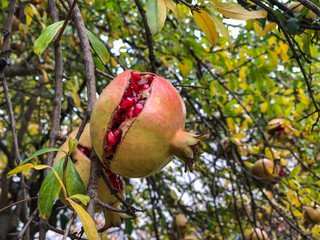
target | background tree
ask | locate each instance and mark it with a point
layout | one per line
(233, 87)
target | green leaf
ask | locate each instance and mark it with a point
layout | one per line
(50, 189)
(229, 108)
(74, 182)
(84, 199)
(156, 15)
(19, 169)
(293, 25)
(295, 172)
(99, 47)
(88, 223)
(46, 37)
(72, 144)
(306, 40)
(40, 152)
(129, 227)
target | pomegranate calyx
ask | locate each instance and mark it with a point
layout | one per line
(187, 146)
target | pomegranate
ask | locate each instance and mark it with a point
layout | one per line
(311, 216)
(266, 173)
(81, 159)
(181, 224)
(137, 126)
(255, 234)
(280, 129)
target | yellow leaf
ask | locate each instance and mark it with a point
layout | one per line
(272, 40)
(184, 68)
(264, 107)
(269, 154)
(242, 75)
(231, 124)
(76, 99)
(288, 91)
(87, 222)
(40, 167)
(113, 62)
(270, 26)
(207, 25)
(173, 7)
(236, 11)
(19, 169)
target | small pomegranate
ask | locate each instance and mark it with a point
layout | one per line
(181, 223)
(257, 234)
(280, 129)
(266, 173)
(311, 216)
(136, 131)
(81, 159)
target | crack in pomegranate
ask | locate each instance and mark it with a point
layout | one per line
(113, 178)
(133, 100)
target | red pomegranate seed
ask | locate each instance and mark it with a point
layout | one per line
(134, 87)
(135, 100)
(128, 102)
(137, 109)
(117, 134)
(123, 117)
(129, 93)
(150, 79)
(111, 140)
(145, 86)
(130, 112)
(84, 150)
(135, 76)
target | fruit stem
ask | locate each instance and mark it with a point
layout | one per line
(187, 146)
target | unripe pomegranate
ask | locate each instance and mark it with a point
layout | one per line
(266, 172)
(181, 223)
(135, 131)
(257, 234)
(311, 216)
(81, 160)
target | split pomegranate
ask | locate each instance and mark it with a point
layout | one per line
(81, 160)
(137, 126)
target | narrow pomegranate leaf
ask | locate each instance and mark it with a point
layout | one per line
(50, 189)
(72, 144)
(207, 25)
(88, 223)
(46, 37)
(40, 152)
(220, 27)
(98, 47)
(156, 15)
(19, 169)
(74, 183)
(236, 11)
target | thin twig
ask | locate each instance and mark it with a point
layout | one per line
(16, 203)
(68, 226)
(104, 74)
